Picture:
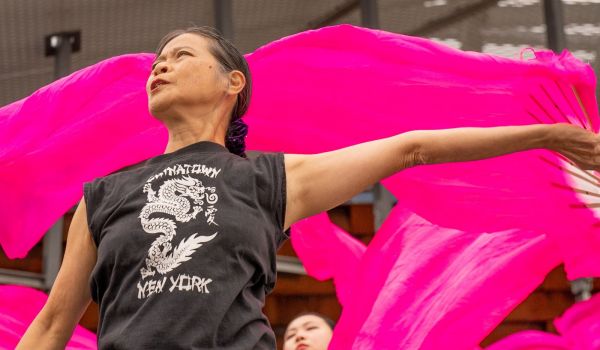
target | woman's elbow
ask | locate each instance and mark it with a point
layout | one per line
(412, 150)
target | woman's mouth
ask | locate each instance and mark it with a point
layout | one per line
(156, 84)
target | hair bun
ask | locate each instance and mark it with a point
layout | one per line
(235, 141)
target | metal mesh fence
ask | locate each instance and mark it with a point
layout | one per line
(113, 27)
(258, 22)
(108, 28)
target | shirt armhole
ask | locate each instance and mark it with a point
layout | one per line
(281, 199)
(88, 196)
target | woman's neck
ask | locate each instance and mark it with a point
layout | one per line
(185, 133)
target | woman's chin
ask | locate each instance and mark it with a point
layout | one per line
(158, 107)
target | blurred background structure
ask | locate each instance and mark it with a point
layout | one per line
(112, 27)
(44, 40)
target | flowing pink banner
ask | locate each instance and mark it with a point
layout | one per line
(19, 306)
(421, 286)
(345, 85)
(578, 328)
(85, 125)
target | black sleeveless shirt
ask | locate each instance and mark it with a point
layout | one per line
(186, 246)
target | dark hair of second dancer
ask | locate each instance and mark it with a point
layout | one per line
(329, 321)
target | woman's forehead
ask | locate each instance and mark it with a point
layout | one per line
(193, 41)
(307, 319)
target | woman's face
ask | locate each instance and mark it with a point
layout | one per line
(185, 76)
(307, 332)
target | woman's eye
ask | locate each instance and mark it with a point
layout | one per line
(290, 336)
(181, 53)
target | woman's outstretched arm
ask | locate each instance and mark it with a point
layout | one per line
(322, 181)
(70, 295)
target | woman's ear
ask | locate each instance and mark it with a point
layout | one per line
(237, 81)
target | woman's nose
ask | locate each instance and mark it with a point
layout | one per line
(160, 68)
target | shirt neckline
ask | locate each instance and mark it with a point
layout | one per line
(198, 147)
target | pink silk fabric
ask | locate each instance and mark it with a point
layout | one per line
(578, 328)
(330, 88)
(19, 306)
(421, 286)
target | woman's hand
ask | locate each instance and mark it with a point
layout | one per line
(580, 146)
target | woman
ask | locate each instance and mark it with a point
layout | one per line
(180, 249)
(308, 331)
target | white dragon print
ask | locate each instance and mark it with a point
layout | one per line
(171, 200)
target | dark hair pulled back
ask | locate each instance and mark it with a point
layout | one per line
(229, 59)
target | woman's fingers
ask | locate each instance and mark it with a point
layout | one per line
(582, 147)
